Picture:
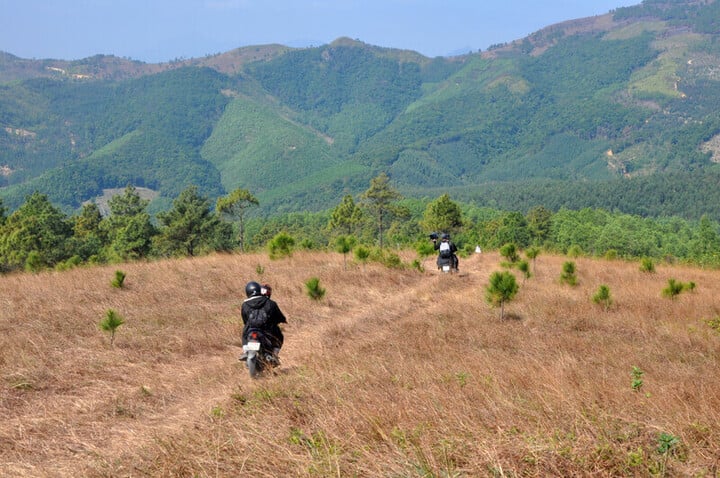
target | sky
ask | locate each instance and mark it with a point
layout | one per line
(156, 31)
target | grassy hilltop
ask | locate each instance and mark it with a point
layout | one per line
(394, 373)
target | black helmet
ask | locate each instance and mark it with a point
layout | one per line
(445, 236)
(252, 289)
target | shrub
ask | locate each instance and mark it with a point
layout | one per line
(119, 279)
(314, 290)
(532, 253)
(673, 289)
(424, 249)
(387, 258)
(574, 251)
(71, 263)
(602, 296)
(714, 323)
(524, 267)
(392, 260)
(509, 252)
(362, 254)
(647, 265)
(343, 245)
(637, 380)
(568, 273)
(34, 262)
(281, 245)
(667, 443)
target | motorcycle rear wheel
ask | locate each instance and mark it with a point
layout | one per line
(254, 368)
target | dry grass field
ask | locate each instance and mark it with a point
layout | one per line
(394, 373)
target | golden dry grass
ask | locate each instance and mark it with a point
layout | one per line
(395, 373)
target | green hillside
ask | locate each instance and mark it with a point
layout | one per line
(608, 104)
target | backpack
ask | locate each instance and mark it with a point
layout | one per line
(445, 251)
(257, 318)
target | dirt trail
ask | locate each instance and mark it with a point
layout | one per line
(57, 431)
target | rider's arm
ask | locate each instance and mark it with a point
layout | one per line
(277, 316)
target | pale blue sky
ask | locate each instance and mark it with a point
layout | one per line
(162, 30)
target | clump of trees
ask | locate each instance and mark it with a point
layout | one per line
(39, 235)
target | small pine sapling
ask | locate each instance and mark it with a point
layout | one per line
(314, 290)
(343, 245)
(532, 253)
(602, 297)
(119, 279)
(637, 380)
(509, 252)
(647, 265)
(501, 289)
(362, 254)
(110, 323)
(568, 273)
(524, 267)
(673, 289)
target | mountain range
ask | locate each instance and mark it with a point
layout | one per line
(618, 111)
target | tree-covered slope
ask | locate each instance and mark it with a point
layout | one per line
(82, 137)
(256, 148)
(599, 100)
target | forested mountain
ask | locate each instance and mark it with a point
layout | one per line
(619, 111)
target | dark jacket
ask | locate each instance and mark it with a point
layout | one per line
(453, 256)
(274, 318)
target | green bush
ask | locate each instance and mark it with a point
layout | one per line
(281, 245)
(509, 252)
(602, 297)
(647, 265)
(362, 254)
(568, 275)
(313, 288)
(574, 251)
(673, 289)
(119, 279)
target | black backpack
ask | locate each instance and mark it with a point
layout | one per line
(257, 318)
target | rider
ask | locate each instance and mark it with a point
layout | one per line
(447, 249)
(258, 297)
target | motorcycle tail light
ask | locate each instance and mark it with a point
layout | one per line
(253, 335)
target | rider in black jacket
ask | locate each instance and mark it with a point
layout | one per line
(257, 301)
(446, 246)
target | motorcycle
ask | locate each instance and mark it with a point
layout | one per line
(259, 353)
(446, 264)
(447, 260)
